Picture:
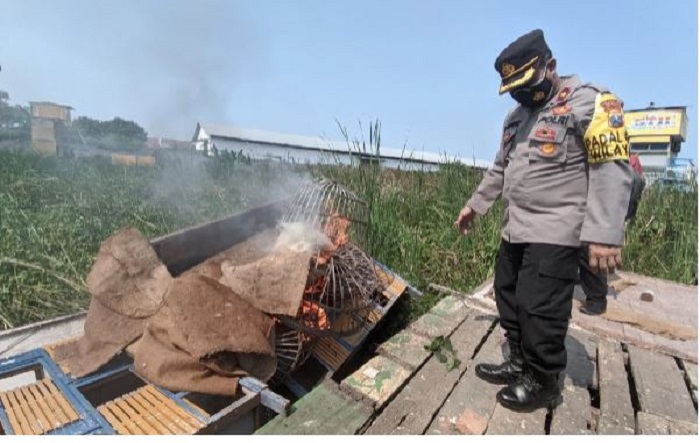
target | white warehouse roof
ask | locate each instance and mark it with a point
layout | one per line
(211, 131)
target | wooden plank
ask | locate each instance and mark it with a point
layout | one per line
(660, 385)
(123, 419)
(412, 410)
(41, 419)
(171, 405)
(580, 365)
(26, 412)
(113, 420)
(573, 417)
(61, 400)
(325, 410)
(469, 407)
(268, 398)
(175, 422)
(146, 415)
(138, 420)
(677, 427)
(616, 411)
(48, 413)
(506, 422)
(233, 412)
(691, 374)
(172, 409)
(163, 424)
(53, 404)
(651, 424)
(18, 426)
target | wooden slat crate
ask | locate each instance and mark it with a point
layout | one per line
(147, 411)
(37, 408)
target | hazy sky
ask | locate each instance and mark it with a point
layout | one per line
(424, 68)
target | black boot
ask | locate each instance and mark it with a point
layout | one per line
(594, 306)
(531, 392)
(505, 373)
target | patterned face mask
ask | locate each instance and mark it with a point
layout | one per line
(536, 95)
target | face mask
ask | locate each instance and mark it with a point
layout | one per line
(534, 96)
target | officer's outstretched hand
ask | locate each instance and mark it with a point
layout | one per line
(604, 258)
(464, 220)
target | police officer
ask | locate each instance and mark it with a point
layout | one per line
(563, 173)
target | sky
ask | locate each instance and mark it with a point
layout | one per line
(424, 69)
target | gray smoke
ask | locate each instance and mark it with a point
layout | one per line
(164, 64)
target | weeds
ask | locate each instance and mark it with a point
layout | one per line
(55, 212)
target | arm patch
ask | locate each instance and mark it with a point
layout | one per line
(606, 139)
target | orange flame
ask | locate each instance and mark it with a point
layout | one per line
(337, 229)
(313, 315)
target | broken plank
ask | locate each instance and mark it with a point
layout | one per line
(324, 411)
(660, 385)
(413, 409)
(616, 411)
(378, 381)
(573, 416)
(651, 424)
(507, 422)
(580, 368)
(691, 375)
(677, 427)
(406, 347)
(469, 407)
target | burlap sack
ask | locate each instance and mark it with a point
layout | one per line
(204, 338)
(274, 284)
(128, 277)
(107, 333)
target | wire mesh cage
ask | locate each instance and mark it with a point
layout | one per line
(342, 280)
(323, 202)
(291, 349)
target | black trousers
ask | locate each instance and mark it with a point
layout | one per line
(594, 284)
(534, 286)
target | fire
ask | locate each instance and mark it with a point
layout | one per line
(317, 287)
(313, 315)
(337, 229)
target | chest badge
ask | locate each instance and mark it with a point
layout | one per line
(548, 149)
(563, 94)
(546, 134)
(561, 110)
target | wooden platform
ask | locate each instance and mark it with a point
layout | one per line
(611, 385)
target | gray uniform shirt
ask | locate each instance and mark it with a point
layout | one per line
(563, 180)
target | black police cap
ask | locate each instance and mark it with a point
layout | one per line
(518, 63)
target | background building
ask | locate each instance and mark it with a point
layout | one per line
(49, 124)
(656, 135)
(264, 145)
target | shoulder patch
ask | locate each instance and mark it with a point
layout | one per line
(606, 139)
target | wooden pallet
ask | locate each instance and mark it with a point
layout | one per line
(37, 408)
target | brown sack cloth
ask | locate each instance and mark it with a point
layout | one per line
(204, 338)
(106, 335)
(274, 284)
(127, 283)
(128, 277)
(247, 251)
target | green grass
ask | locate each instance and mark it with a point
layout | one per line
(55, 212)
